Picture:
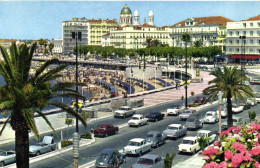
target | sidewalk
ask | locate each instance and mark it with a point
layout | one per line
(193, 162)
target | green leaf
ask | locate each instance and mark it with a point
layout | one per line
(242, 166)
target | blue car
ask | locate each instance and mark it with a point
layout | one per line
(110, 158)
(154, 116)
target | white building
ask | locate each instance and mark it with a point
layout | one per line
(58, 47)
(249, 28)
(106, 40)
(204, 29)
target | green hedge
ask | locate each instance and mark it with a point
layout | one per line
(65, 143)
(86, 136)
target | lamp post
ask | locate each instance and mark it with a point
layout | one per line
(186, 83)
(76, 36)
(220, 94)
(214, 55)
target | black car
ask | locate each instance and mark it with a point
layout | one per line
(110, 158)
(154, 116)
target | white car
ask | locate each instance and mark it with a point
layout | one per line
(211, 117)
(223, 111)
(251, 101)
(237, 108)
(137, 146)
(257, 97)
(189, 145)
(186, 113)
(124, 111)
(207, 133)
(7, 157)
(137, 120)
(174, 110)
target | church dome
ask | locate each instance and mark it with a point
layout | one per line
(126, 10)
(150, 13)
(136, 13)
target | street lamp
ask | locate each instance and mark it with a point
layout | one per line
(76, 36)
(243, 39)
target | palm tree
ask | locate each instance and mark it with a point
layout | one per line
(25, 94)
(51, 46)
(230, 83)
(41, 42)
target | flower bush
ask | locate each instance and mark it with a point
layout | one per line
(238, 147)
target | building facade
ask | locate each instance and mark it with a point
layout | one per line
(204, 29)
(106, 40)
(58, 49)
(250, 45)
(74, 25)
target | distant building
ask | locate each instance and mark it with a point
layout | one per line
(204, 29)
(58, 49)
(106, 40)
(249, 28)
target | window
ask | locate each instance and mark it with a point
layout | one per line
(237, 41)
(230, 33)
(230, 41)
(251, 41)
(251, 24)
(230, 49)
(244, 24)
(258, 24)
(251, 50)
(258, 51)
(251, 33)
(237, 33)
(237, 50)
(244, 33)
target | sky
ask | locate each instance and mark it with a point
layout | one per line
(43, 19)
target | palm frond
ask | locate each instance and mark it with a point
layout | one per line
(29, 118)
(45, 118)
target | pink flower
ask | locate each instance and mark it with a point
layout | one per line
(247, 157)
(231, 128)
(258, 136)
(237, 130)
(211, 165)
(257, 164)
(240, 147)
(216, 143)
(237, 159)
(255, 151)
(210, 151)
(228, 154)
(223, 164)
(256, 126)
(224, 133)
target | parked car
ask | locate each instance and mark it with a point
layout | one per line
(105, 130)
(45, 146)
(246, 105)
(156, 138)
(7, 157)
(149, 161)
(255, 82)
(109, 158)
(237, 108)
(257, 97)
(237, 121)
(137, 146)
(154, 116)
(174, 110)
(211, 117)
(206, 133)
(223, 111)
(194, 122)
(137, 120)
(189, 145)
(186, 113)
(199, 100)
(251, 101)
(124, 111)
(175, 131)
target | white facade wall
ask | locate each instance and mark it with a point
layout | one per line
(105, 41)
(250, 29)
(58, 47)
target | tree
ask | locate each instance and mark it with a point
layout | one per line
(25, 94)
(168, 160)
(41, 42)
(231, 83)
(51, 46)
(198, 43)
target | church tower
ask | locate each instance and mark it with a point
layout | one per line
(125, 16)
(136, 18)
(151, 18)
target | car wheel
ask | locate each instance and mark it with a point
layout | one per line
(156, 120)
(116, 132)
(194, 151)
(139, 125)
(52, 149)
(124, 160)
(38, 153)
(157, 145)
(124, 116)
(106, 135)
(140, 153)
(2, 164)
(150, 149)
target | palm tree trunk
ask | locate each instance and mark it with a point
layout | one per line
(22, 148)
(229, 110)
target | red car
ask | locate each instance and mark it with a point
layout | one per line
(105, 130)
(255, 82)
(199, 100)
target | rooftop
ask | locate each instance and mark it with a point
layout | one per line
(254, 18)
(137, 140)
(190, 138)
(175, 125)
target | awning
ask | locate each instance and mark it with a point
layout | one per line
(245, 57)
(221, 39)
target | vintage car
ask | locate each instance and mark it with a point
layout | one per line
(110, 158)
(189, 145)
(237, 121)
(105, 130)
(124, 111)
(211, 117)
(237, 108)
(223, 111)
(156, 138)
(186, 113)
(175, 131)
(137, 146)
(257, 97)
(154, 116)
(174, 110)
(199, 100)
(251, 101)
(255, 82)
(45, 146)
(137, 120)
(7, 157)
(194, 122)
(206, 133)
(149, 161)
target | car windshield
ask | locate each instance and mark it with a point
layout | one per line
(200, 134)
(150, 135)
(123, 108)
(103, 157)
(173, 128)
(134, 143)
(135, 118)
(190, 119)
(145, 161)
(187, 142)
(209, 114)
(2, 153)
(187, 112)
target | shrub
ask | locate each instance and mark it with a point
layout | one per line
(203, 142)
(168, 160)
(65, 143)
(238, 147)
(182, 97)
(252, 115)
(192, 93)
(86, 136)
